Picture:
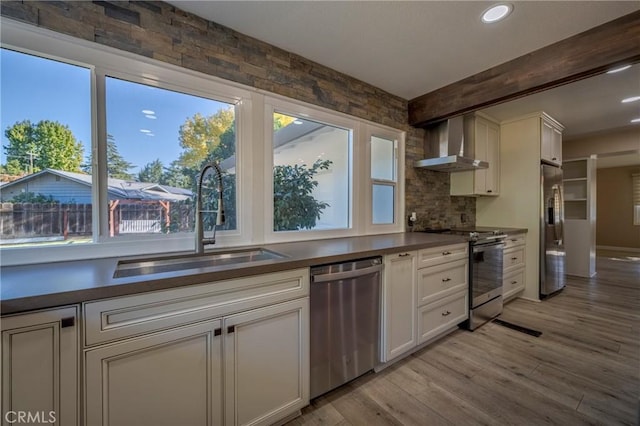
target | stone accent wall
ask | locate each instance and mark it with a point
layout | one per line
(160, 31)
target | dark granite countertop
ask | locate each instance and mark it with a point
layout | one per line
(29, 287)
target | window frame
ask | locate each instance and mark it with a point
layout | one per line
(254, 151)
(398, 182)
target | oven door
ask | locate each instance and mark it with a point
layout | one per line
(486, 272)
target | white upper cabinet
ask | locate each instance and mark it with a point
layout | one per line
(551, 143)
(486, 134)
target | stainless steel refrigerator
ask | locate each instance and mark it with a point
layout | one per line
(552, 255)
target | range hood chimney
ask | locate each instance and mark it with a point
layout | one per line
(449, 146)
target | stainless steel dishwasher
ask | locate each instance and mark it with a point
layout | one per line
(345, 322)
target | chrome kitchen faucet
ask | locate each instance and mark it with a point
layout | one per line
(201, 241)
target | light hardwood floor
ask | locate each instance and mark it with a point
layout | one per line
(583, 369)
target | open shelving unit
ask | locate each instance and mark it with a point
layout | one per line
(579, 181)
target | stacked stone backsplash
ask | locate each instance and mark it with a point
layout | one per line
(159, 30)
(427, 193)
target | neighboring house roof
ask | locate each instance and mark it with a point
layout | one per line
(117, 188)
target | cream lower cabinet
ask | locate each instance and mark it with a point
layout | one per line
(399, 298)
(245, 369)
(227, 353)
(266, 363)
(167, 378)
(40, 368)
(425, 297)
(513, 266)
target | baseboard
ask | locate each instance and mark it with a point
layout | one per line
(612, 248)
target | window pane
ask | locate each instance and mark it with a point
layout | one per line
(382, 159)
(158, 141)
(382, 204)
(46, 140)
(311, 175)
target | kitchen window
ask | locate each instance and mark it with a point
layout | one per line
(46, 144)
(157, 142)
(311, 174)
(292, 171)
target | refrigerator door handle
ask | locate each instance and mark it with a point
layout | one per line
(558, 220)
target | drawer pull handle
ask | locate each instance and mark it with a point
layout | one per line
(445, 253)
(404, 255)
(67, 322)
(514, 258)
(446, 280)
(217, 332)
(231, 329)
(554, 158)
(515, 240)
(489, 191)
(514, 282)
(444, 314)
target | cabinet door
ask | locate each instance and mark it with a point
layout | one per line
(399, 304)
(266, 363)
(492, 177)
(551, 143)
(482, 147)
(40, 366)
(168, 378)
(556, 146)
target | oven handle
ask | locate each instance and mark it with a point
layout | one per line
(490, 246)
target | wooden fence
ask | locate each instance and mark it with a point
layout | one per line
(35, 220)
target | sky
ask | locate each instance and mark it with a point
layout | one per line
(143, 120)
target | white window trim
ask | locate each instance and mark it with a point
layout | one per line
(254, 136)
(398, 201)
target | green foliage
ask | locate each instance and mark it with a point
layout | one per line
(30, 197)
(294, 207)
(46, 144)
(117, 166)
(151, 172)
(200, 137)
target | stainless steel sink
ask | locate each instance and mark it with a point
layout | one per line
(136, 267)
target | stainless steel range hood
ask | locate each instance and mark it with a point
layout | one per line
(449, 146)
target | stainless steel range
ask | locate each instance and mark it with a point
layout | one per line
(485, 272)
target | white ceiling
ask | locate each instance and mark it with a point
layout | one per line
(410, 48)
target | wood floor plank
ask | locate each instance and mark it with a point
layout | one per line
(583, 370)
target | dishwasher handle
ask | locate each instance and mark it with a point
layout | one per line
(335, 276)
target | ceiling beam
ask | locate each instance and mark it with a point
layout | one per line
(583, 55)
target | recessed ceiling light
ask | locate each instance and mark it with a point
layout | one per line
(152, 117)
(145, 131)
(631, 99)
(636, 120)
(622, 68)
(148, 112)
(496, 13)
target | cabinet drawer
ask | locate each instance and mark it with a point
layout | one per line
(111, 319)
(439, 281)
(514, 241)
(513, 283)
(437, 255)
(512, 258)
(437, 317)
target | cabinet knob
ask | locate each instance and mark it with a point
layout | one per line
(489, 190)
(554, 158)
(444, 314)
